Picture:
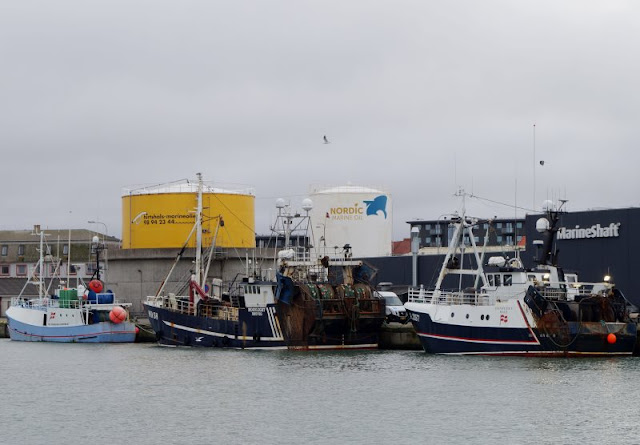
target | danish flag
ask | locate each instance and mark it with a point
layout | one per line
(504, 318)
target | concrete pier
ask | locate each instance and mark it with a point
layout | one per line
(399, 336)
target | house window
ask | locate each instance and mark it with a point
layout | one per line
(5, 250)
(65, 249)
(519, 225)
(4, 269)
(499, 239)
(21, 270)
(21, 249)
(498, 225)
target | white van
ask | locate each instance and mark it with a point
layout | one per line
(395, 310)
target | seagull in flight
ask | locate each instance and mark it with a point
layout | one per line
(326, 141)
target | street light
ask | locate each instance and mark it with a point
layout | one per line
(106, 231)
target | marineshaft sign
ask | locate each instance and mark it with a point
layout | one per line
(595, 231)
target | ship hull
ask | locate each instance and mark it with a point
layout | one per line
(254, 328)
(575, 339)
(101, 332)
(307, 328)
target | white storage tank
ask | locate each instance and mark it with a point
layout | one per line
(355, 215)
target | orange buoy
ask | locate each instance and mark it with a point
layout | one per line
(117, 315)
(96, 286)
(611, 338)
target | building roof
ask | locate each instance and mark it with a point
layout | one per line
(186, 186)
(401, 247)
(30, 236)
(11, 287)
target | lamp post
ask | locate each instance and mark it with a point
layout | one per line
(106, 231)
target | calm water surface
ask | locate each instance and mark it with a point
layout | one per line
(146, 394)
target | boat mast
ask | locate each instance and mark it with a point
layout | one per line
(198, 271)
(41, 267)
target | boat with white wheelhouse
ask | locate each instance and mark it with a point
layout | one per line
(504, 308)
(80, 314)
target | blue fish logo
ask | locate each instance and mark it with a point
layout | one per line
(379, 204)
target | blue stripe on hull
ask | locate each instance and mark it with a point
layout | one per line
(439, 338)
(103, 332)
(250, 331)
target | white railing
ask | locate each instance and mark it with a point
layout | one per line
(421, 295)
(47, 302)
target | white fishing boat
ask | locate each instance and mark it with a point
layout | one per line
(504, 308)
(82, 314)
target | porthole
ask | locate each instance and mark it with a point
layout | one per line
(467, 315)
(452, 314)
(482, 317)
(487, 317)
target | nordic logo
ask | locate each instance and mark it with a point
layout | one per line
(595, 231)
(378, 204)
(356, 212)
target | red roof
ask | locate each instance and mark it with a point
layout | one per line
(401, 247)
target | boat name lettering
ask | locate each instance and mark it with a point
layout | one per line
(153, 315)
(595, 231)
(415, 317)
(256, 311)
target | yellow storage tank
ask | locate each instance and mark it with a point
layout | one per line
(162, 216)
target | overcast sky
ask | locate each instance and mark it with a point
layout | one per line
(419, 97)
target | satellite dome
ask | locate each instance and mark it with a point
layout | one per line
(547, 205)
(280, 203)
(307, 204)
(542, 225)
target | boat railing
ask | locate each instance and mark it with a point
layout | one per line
(421, 295)
(183, 305)
(48, 302)
(218, 312)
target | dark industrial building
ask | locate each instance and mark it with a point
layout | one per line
(590, 243)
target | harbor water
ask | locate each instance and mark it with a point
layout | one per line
(147, 394)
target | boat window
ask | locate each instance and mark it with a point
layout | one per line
(490, 279)
(507, 279)
(497, 280)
